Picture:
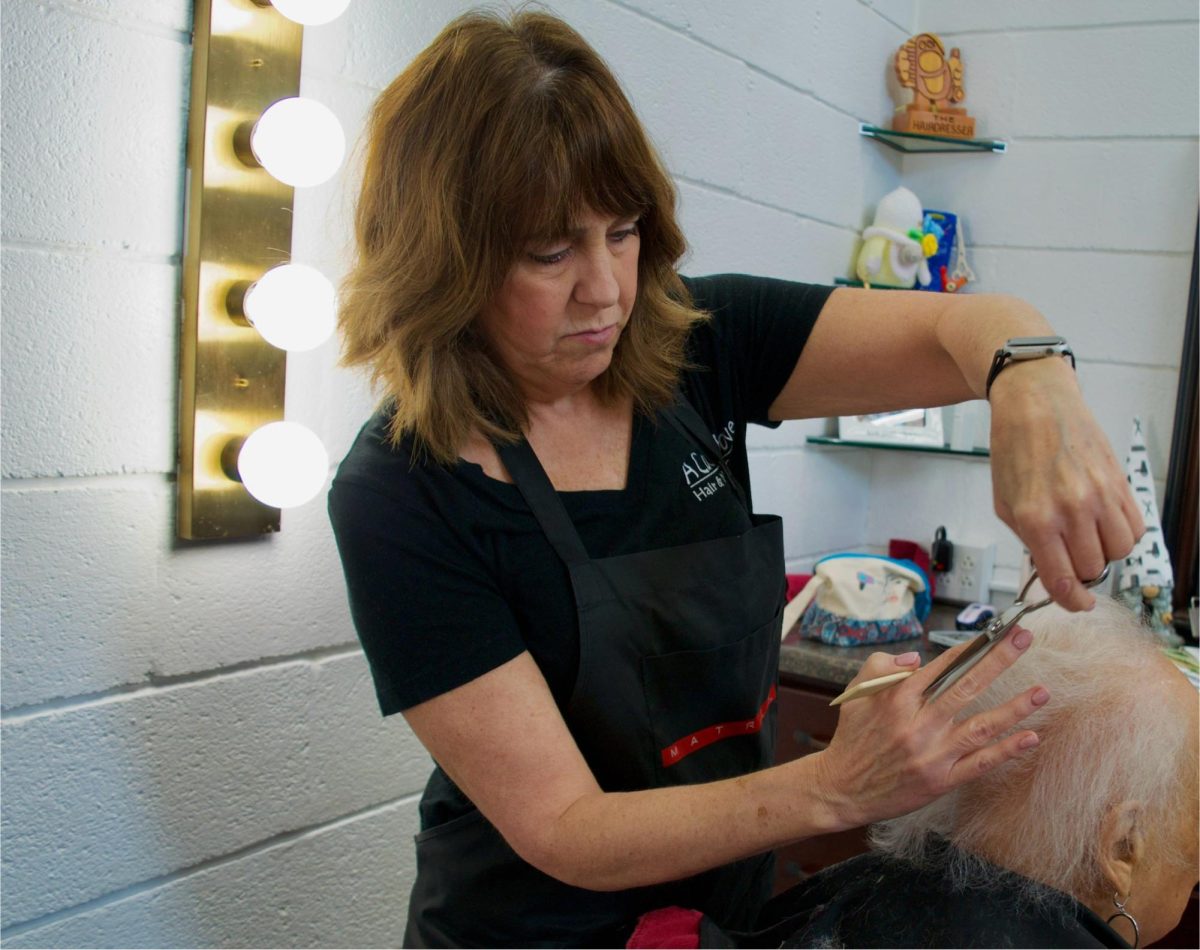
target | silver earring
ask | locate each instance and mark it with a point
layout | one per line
(1122, 912)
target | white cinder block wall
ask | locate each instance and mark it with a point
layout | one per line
(192, 754)
(1090, 215)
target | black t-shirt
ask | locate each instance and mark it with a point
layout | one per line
(449, 574)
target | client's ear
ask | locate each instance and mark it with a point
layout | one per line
(1122, 845)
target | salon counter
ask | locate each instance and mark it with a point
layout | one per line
(829, 667)
(833, 667)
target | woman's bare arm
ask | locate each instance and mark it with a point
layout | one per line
(502, 740)
(1055, 480)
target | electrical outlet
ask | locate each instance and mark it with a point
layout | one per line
(970, 576)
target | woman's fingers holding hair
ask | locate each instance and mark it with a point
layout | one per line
(980, 730)
(896, 751)
(953, 698)
(1131, 512)
(984, 760)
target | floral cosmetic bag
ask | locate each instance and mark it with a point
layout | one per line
(856, 599)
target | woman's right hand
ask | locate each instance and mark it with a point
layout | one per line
(894, 751)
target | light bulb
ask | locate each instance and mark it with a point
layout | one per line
(283, 464)
(292, 306)
(299, 141)
(311, 12)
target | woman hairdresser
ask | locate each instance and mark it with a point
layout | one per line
(547, 535)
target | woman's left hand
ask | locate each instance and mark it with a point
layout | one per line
(895, 751)
(1055, 480)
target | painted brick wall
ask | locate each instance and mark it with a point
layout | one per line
(192, 755)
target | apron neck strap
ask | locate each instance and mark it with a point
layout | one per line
(534, 484)
(535, 487)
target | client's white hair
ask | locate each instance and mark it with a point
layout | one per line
(1106, 737)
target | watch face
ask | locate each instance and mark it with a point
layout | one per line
(1035, 347)
(1038, 341)
(1021, 348)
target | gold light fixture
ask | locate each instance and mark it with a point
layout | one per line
(244, 302)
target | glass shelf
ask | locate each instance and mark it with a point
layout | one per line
(901, 446)
(916, 143)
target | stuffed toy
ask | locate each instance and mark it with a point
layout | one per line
(896, 245)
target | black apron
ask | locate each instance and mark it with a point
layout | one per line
(678, 664)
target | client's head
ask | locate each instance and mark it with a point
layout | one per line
(1107, 804)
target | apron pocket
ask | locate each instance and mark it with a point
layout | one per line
(448, 827)
(712, 712)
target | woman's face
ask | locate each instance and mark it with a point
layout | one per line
(561, 310)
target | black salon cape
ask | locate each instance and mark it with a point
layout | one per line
(877, 901)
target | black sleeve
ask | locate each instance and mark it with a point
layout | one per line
(758, 329)
(428, 613)
(741, 358)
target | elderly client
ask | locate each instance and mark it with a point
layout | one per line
(1100, 824)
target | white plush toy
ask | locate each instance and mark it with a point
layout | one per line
(896, 245)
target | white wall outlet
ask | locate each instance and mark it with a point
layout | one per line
(970, 576)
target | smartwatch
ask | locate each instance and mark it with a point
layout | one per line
(1026, 348)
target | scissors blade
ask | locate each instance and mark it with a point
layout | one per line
(995, 632)
(978, 648)
(974, 652)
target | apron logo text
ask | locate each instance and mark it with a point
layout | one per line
(703, 476)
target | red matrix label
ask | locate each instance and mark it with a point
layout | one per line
(680, 749)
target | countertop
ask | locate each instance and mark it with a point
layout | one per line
(834, 666)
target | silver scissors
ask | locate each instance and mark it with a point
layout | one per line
(975, 651)
(993, 633)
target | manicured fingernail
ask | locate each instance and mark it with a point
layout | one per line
(1022, 638)
(1063, 585)
(1040, 696)
(1028, 742)
(908, 659)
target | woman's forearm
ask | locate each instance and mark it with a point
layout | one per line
(873, 350)
(616, 840)
(499, 741)
(892, 753)
(972, 327)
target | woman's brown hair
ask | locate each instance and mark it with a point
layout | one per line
(499, 134)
